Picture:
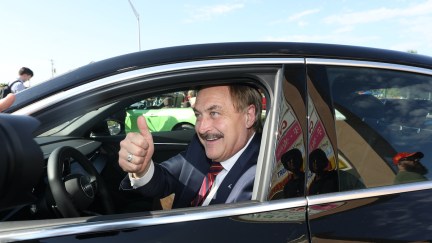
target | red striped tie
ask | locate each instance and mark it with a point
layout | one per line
(207, 183)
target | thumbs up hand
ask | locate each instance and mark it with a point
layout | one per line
(136, 150)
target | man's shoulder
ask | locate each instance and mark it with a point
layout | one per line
(408, 176)
(258, 136)
(16, 85)
(11, 83)
(255, 144)
(242, 190)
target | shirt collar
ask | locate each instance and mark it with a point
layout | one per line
(229, 163)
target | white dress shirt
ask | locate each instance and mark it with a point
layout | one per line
(227, 165)
(17, 86)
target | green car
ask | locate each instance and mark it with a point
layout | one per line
(165, 113)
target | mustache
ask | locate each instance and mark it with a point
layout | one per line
(209, 135)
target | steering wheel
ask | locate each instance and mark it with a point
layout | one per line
(73, 193)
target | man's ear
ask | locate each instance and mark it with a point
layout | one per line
(250, 116)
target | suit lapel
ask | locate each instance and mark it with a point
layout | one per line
(200, 165)
(193, 176)
(244, 162)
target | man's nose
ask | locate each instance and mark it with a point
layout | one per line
(203, 125)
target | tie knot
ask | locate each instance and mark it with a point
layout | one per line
(215, 168)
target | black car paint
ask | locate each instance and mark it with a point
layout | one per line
(401, 217)
(245, 228)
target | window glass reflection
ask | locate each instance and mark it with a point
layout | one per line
(381, 114)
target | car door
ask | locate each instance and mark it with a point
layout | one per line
(268, 216)
(372, 112)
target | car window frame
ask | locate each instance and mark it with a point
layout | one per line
(57, 227)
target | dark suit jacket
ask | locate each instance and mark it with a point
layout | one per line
(183, 175)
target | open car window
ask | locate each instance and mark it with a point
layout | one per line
(111, 123)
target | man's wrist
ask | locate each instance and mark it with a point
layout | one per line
(141, 174)
(140, 179)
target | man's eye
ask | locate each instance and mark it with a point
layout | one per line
(213, 113)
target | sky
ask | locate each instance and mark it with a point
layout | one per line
(64, 35)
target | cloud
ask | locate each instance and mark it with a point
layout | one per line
(297, 17)
(206, 13)
(406, 28)
(369, 41)
(420, 25)
(406, 45)
(302, 14)
(330, 38)
(344, 29)
(380, 14)
(302, 23)
(416, 30)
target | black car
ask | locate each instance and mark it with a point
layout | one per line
(339, 121)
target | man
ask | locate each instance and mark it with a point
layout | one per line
(25, 74)
(227, 139)
(410, 168)
(324, 181)
(293, 162)
(191, 97)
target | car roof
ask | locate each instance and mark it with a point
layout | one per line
(198, 52)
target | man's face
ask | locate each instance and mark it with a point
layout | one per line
(414, 165)
(220, 127)
(25, 77)
(291, 165)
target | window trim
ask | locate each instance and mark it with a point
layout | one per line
(76, 226)
(264, 170)
(368, 193)
(60, 227)
(367, 64)
(142, 73)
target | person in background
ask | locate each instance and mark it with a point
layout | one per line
(293, 162)
(191, 97)
(410, 168)
(25, 74)
(220, 162)
(325, 180)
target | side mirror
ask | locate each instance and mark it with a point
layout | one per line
(109, 127)
(114, 127)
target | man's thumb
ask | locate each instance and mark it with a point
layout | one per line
(142, 126)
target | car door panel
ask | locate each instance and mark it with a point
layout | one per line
(383, 218)
(277, 221)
